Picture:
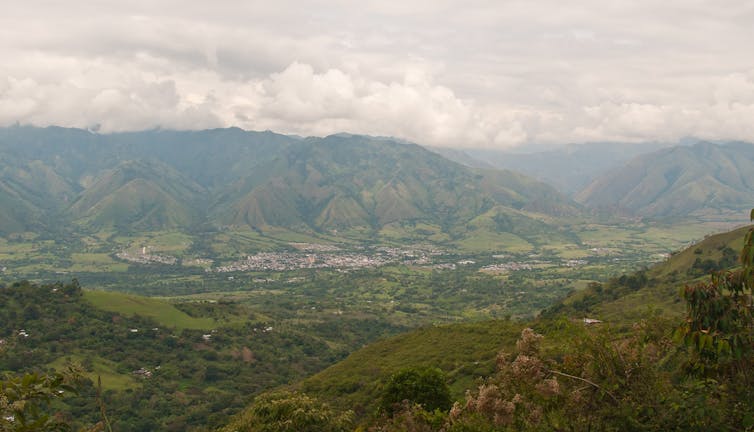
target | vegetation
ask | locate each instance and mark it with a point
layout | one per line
(679, 181)
(176, 215)
(425, 387)
(155, 377)
(607, 376)
(289, 412)
(151, 181)
(196, 377)
(25, 401)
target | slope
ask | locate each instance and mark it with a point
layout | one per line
(697, 181)
(191, 375)
(345, 182)
(626, 299)
(467, 352)
(350, 184)
(16, 214)
(140, 195)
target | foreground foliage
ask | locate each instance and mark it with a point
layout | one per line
(289, 412)
(154, 377)
(425, 387)
(644, 381)
(25, 400)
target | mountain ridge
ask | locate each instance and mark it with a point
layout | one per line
(230, 177)
(678, 181)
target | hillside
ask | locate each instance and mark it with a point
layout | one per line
(624, 300)
(195, 364)
(466, 352)
(139, 195)
(157, 180)
(703, 180)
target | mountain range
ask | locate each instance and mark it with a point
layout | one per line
(696, 181)
(154, 180)
(71, 179)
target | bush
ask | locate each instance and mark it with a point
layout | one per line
(425, 386)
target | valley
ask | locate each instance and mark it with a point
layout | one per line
(276, 257)
(393, 216)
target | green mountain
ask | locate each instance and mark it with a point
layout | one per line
(16, 214)
(229, 177)
(139, 195)
(342, 182)
(697, 181)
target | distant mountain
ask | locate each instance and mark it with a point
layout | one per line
(699, 180)
(141, 195)
(16, 214)
(462, 157)
(569, 168)
(342, 182)
(229, 177)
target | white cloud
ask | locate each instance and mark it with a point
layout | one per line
(483, 74)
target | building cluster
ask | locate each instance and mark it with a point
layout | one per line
(507, 267)
(147, 258)
(201, 262)
(143, 373)
(329, 258)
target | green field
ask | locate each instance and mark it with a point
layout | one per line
(159, 310)
(98, 367)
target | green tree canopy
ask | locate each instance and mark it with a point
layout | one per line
(425, 386)
(289, 412)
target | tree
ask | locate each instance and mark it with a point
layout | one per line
(719, 326)
(24, 401)
(425, 386)
(289, 412)
(719, 332)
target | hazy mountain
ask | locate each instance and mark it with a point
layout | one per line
(16, 214)
(170, 179)
(141, 195)
(680, 181)
(569, 168)
(460, 156)
(341, 182)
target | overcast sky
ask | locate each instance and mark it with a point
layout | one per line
(448, 73)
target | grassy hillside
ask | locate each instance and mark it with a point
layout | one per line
(466, 352)
(339, 182)
(622, 301)
(160, 311)
(139, 195)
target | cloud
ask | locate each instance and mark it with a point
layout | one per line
(475, 74)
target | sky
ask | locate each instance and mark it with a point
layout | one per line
(464, 74)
